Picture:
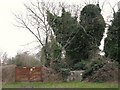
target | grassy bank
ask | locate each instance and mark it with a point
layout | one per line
(59, 85)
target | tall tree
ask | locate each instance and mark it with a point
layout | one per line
(78, 38)
(111, 43)
(69, 34)
(94, 25)
(5, 58)
(35, 22)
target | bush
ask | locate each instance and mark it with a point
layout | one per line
(65, 72)
(94, 65)
(24, 59)
(50, 75)
(61, 68)
(108, 72)
(80, 65)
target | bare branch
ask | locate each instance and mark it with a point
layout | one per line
(112, 7)
(29, 43)
(103, 4)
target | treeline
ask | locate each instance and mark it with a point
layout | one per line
(22, 59)
(81, 39)
(72, 41)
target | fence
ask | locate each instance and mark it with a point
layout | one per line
(8, 73)
(11, 73)
(28, 74)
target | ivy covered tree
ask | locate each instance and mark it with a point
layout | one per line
(54, 50)
(70, 35)
(94, 25)
(78, 39)
(111, 43)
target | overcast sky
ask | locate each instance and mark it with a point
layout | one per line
(13, 39)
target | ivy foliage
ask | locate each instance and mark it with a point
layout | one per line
(78, 38)
(69, 34)
(93, 22)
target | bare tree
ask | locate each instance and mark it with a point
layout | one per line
(1, 53)
(4, 58)
(35, 21)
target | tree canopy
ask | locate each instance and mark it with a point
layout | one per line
(77, 38)
(111, 43)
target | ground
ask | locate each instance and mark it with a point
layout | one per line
(59, 85)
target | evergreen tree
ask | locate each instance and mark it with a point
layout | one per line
(78, 39)
(94, 24)
(70, 35)
(54, 51)
(111, 43)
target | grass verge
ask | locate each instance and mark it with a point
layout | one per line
(59, 85)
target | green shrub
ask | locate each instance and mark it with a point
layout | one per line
(61, 68)
(107, 73)
(80, 65)
(94, 65)
(65, 72)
